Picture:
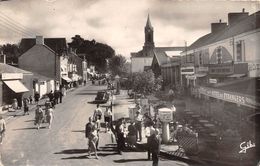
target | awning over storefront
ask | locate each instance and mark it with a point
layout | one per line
(196, 75)
(200, 74)
(16, 86)
(236, 75)
(66, 78)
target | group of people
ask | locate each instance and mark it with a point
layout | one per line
(41, 116)
(125, 134)
(92, 128)
(55, 97)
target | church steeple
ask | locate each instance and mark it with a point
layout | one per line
(148, 31)
(148, 23)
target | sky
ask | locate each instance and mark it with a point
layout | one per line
(118, 23)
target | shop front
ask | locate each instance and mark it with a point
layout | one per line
(230, 111)
(12, 88)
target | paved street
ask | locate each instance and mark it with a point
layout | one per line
(65, 143)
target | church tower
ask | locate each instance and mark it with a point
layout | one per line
(148, 31)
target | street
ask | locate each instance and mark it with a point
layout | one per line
(65, 142)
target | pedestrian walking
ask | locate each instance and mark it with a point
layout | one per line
(36, 97)
(26, 106)
(61, 95)
(39, 116)
(31, 99)
(49, 115)
(154, 144)
(131, 137)
(56, 96)
(120, 136)
(138, 125)
(2, 129)
(97, 116)
(108, 118)
(91, 135)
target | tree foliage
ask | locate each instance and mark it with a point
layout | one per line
(146, 83)
(12, 52)
(117, 65)
(95, 53)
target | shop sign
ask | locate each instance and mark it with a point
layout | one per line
(240, 99)
(202, 69)
(11, 76)
(165, 115)
(187, 70)
(213, 81)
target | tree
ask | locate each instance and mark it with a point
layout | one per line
(95, 53)
(146, 83)
(117, 65)
(12, 52)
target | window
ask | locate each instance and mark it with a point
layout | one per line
(200, 59)
(239, 51)
(219, 55)
(190, 58)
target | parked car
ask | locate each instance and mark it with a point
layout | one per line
(102, 97)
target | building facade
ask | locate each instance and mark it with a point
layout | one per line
(40, 58)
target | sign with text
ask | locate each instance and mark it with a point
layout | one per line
(213, 81)
(165, 114)
(11, 76)
(233, 97)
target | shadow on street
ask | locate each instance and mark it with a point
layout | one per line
(72, 151)
(129, 160)
(30, 128)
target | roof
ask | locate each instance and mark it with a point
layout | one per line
(247, 24)
(41, 77)
(58, 45)
(162, 57)
(148, 23)
(4, 68)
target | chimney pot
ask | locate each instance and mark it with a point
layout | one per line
(243, 10)
(220, 20)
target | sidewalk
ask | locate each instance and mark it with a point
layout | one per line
(11, 113)
(170, 151)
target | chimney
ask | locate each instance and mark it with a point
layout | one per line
(39, 40)
(216, 27)
(236, 17)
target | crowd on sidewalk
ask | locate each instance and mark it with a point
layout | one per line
(126, 132)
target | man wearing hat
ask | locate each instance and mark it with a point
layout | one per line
(138, 124)
(154, 145)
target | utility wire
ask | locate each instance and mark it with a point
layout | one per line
(15, 30)
(9, 23)
(18, 24)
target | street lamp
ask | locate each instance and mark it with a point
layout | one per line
(117, 84)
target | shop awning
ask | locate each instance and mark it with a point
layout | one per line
(200, 74)
(16, 86)
(236, 75)
(66, 78)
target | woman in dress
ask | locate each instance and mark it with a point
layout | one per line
(108, 118)
(49, 115)
(38, 116)
(93, 138)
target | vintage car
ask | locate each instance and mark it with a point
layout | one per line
(102, 97)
